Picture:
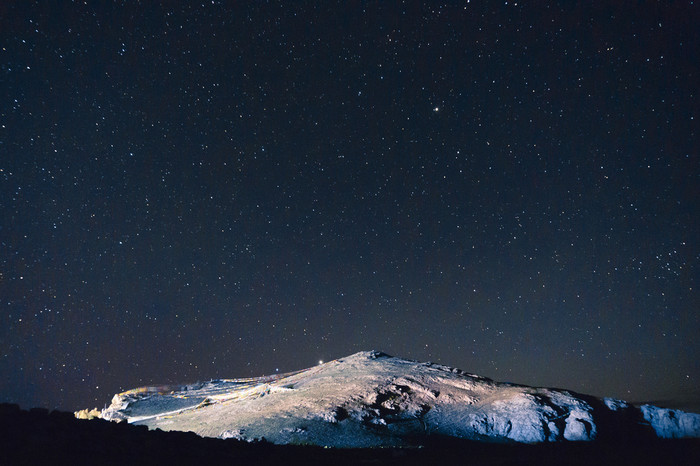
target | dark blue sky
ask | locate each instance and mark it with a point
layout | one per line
(216, 190)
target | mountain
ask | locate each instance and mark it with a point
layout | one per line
(371, 399)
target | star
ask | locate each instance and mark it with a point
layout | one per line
(258, 203)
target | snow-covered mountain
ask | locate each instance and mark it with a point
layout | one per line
(372, 399)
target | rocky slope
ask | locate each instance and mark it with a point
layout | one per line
(371, 399)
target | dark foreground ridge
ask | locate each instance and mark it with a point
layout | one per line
(38, 436)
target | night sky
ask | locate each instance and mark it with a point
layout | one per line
(220, 190)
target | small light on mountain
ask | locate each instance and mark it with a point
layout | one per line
(320, 361)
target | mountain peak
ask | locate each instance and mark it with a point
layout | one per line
(373, 399)
(374, 354)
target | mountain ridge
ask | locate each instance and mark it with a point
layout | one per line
(371, 399)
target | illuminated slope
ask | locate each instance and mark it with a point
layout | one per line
(372, 399)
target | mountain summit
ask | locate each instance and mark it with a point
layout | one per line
(372, 399)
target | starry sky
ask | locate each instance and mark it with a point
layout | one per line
(217, 190)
